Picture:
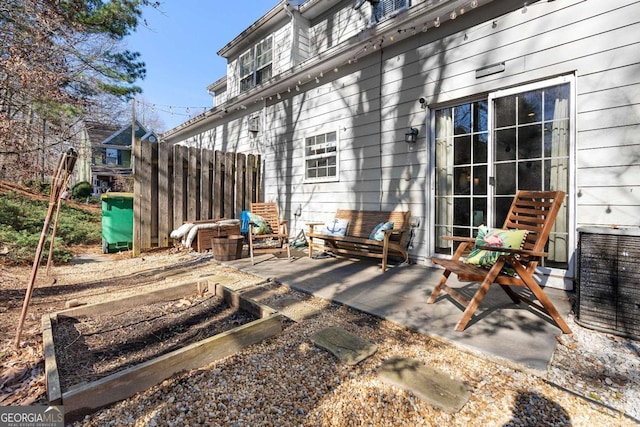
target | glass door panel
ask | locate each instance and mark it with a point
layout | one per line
(461, 152)
(531, 152)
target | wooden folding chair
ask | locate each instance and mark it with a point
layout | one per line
(277, 241)
(534, 211)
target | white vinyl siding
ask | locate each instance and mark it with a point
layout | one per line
(332, 30)
(220, 97)
(374, 101)
(298, 49)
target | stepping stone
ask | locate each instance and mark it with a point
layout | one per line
(294, 309)
(347, 347)
(431, 385)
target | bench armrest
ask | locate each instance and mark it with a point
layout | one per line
(389, 233)
(313, 224)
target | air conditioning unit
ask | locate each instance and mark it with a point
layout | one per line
(254, 124)
(608, 296)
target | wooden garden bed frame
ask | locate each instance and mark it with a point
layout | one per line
(86, 398)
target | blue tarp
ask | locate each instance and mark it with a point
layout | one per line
(244, 222)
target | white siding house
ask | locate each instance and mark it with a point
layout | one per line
(505, 95)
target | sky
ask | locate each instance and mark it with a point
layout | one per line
(179, 46)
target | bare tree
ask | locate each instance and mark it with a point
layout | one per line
(148, 116)
(59, 61)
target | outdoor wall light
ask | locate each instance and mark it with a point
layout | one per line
(411, 135)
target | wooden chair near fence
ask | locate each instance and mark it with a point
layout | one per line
(268, 233)
(531, 211)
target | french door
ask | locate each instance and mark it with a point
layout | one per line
(486, 150)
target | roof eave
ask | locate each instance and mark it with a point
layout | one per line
(238, 43)
(327, 60)
(217, 85)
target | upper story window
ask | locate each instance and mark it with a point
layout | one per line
(256, 64)
(390, 8)
(321, 157)
(381, 9)
(112, 157)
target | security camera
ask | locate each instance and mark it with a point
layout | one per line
(422, 101)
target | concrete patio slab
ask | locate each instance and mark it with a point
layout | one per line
(499, 328)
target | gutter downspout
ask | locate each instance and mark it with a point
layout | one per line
(380, 83)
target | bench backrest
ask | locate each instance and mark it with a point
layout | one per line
(362, 223)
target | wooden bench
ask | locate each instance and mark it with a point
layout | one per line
(357, 241)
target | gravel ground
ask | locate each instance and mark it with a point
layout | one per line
(599, 366)
(287, 381)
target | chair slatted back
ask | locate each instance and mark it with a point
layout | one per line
(536, 212)
(268, 211)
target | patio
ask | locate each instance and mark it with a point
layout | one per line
(511, 332)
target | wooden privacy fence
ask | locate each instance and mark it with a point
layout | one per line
(175, 183)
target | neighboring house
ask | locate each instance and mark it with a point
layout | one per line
(110, 148)
(498, 95)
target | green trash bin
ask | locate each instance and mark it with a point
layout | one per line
(117, 222)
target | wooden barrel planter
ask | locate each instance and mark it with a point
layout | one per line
(227, 248)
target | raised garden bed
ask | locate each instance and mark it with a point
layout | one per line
(102, 353)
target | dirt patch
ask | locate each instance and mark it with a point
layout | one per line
(90, 348)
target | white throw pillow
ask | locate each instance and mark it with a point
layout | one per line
(335, 227)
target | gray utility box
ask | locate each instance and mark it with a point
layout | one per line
(609, 280)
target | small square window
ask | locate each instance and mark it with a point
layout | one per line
(321, 157)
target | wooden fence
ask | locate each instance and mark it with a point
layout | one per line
(174, 184)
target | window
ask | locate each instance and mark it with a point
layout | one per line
(321, 157)
(246, 71)
(256, 64)
(113, 157)
(383, 9)
(488, 149)
(391, 8)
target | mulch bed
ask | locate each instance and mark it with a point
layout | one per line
(90, 348)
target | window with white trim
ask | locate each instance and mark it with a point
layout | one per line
(390, 8)
(321, 157)
(256, 64)
(383, 9)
